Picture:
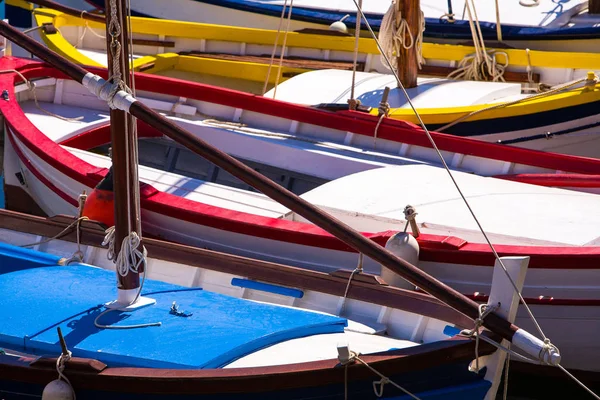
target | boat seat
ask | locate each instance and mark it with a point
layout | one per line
(220, 330)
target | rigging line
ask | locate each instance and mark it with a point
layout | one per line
(445, 165)
(356, 37)
(274, 48)
(285, 36)
(133, 132)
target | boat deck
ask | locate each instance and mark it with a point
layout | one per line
(220, 330)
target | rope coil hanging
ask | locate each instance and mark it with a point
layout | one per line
(394, 36)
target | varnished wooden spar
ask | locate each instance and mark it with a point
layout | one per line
(124, 147)
(317, 216)
(408, 64)
(69, 10)
(594, 7)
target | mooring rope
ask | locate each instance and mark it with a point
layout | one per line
(378, 386)
(547, 342)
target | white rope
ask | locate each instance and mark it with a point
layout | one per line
(531, 3)
(285, 36)
(274, 48)
(498, 24)
(484, 311)
(77, 255)
(129, 259)
(535, 96)
(60, 367)
(383, 111)
(481, 65)
(87, 28)
(393, 37)
(547, 346)
(116, 77)
(378, 386)
(59, 234)
(352, 101)
(506, 365)
(31, 86)
(357, 270)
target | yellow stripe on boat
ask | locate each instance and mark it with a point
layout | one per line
(561, 64)
(178, 29)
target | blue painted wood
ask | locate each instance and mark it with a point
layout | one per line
(14, 258)
(221, 329)
(434, 27)
(267, 287)
(451, 330)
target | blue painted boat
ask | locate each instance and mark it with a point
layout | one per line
(549, 24)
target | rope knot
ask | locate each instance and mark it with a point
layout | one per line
(484, 311)
(410, 213)
(353, 104)
(379, 385)
(384, 108)
(546, 352)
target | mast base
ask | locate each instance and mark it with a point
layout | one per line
(125, 298)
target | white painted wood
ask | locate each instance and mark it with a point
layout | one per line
(333, 86)
(503, 207)
(318, 347)
(504, 296)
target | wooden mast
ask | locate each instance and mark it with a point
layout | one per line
(408, 59)
(124, 141)
(594, 7)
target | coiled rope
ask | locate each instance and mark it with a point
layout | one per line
(395, 36)
(482, 65)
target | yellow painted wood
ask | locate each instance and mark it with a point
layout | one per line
(177, 30)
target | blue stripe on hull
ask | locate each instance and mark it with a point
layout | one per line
(18, 16)
(517, 123)
(435, 28)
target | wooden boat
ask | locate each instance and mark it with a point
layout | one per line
(419, 328)
(564, 121)
(187, 353)
(564, 276)
(545, 25)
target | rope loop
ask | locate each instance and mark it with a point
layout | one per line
(532, 3)
(410, 213)
(448, 17)
(379, 385)
(130, 258)
(484, 311)
(60, 367)
(547, 351)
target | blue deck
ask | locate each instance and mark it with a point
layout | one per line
(222, 328)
